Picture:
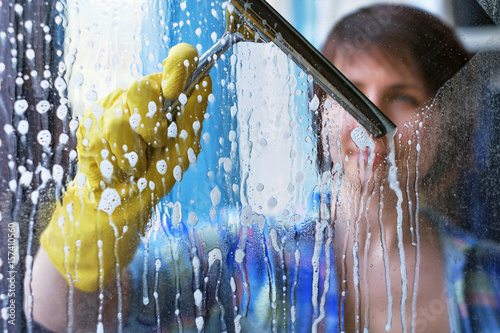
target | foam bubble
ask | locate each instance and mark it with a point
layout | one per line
(135, 120)
(132, 158)
(23, 127)
(178, 173)
(214, 255)
(98, 111)
(183, 99)
(44, 138)
(161, 166)
(176, 214)
(198, 297)
(361, 138)
(57, 173)
(239, 255)
(196, 126)
(172, 130)
(20, 106)
(191, 156)
(141, 184)
(43, 106)
(110, 199)
(200, 322)
(152, 108)
(192, 219)
(60, 84)
(106, 169)
(215, 195)
(25, 179)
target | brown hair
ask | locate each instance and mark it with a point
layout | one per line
(403, 32)
(431, 48)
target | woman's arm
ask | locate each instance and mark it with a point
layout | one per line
(54, 308)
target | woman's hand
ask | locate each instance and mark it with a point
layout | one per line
(130, 155)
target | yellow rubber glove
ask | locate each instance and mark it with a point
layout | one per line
(130, 156)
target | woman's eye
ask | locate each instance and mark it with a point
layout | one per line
(406, 99)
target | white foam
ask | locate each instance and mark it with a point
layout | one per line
(161, 166)
(44, 138)
(361, 138)
(110, 199)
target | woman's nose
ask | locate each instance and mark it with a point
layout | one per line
(376, 98)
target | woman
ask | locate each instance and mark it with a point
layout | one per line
(395, 200)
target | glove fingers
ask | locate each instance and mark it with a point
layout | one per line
(84, 238)
(126, 145)
(190, 125)
(177, 69)
(96, 161)
(168, 164)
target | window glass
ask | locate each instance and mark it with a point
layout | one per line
(260, 203)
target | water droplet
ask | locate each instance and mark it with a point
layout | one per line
(132, 158)
(299, 177)
(97, 110)
(198, 297)
(151, 109)
(77, 79)
(81, 179)
(191, 156)
(62, 111)
(161, 166)
(200, 322)
(172, 130)
(57, 173)
(314, 103)
(183, 99)
(239, 255)
(18, 8)
(23, 127)
(213, 256)
(73, 125)
(30, 54)
(134, 121)
(226, 163)
(44, 138)
(44, 84)
(196, 126)
(361, 138)
(60, 84)
(25, 179)
(141, 184)
(272, 202)
(63, 138)
(106, 170)
(20, 106)
(87, 123)
(91, 96)
(110, 199)
(215, 195)
(178, 173)
(192, 219)
(43, 106)
(176, 214)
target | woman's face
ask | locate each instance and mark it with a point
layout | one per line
(399, 92)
